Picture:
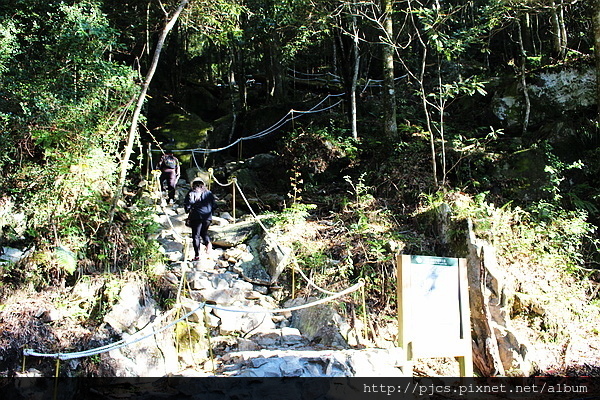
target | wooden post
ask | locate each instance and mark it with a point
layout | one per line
(149, 162)
(403, 296)
(466, 361)
(210, 177)
(293, 280)
(365, 314)
(234, 185)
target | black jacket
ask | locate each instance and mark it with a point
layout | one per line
(200, 204)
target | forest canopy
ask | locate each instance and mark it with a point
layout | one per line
(425, 86)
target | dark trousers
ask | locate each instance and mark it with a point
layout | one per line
(170, 177)
(200, 234)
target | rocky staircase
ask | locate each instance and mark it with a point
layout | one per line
(311, 342)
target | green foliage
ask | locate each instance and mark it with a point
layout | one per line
(293, 215)
(555, 170)
(451, 36)
(291, 24)
(360, 204)
(545, 234)
(212, 22)
(64, 121)
(318, 153)
(8, 43)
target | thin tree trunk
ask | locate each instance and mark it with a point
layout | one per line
(596, 27)
(389, 89)
(442, 106)
(428, 116)
(355, 79)
(524, 80)
(562, 29)
(235, 93)
(559, 29)
(138, 109)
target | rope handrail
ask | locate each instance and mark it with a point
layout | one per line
(124, 343)
(231, 182)
(334, 296)
(289, 116)
(130, 341)
(113, 346)
(269, 234)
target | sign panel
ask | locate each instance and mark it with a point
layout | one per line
(435, 294)
(433, 310)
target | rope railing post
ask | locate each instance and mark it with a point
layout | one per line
(293, 281)
(149, 161)
(208, 338)
(210, 177)
(365, 315)
(155, 186)
(233, 188)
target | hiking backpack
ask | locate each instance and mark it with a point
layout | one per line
(170, 162)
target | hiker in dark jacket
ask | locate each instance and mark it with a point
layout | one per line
(170, 172)
(199, 204)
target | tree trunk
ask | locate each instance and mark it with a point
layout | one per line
(559, 29)
(275, 72)
(596, 25)
(355, 80)
(389, 89)
(524, 80)
(140, 102)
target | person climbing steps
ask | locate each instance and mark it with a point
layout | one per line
(200, 204)
(170, 171)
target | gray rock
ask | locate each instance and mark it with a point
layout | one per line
(133, 311)
(155, 356)
(226, 216)
(11, 255)
(188, 305)
(243, 322)
(320, 324)
(274, 256)
(262, 160)
(233, 234)
(247, 345)
(220, 297)
(198, 280)
(291, 366)
(261, 289)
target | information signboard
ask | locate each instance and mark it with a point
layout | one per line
(433, 309)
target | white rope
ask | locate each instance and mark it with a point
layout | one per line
(177, 236)
(290, 116)
(334, 296)
(129, 341)
(110, 347)
(221, 184)
(310, 281)
(322, 79)
(268, 233)
(254, 214)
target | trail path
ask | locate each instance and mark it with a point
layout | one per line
(256, 342)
